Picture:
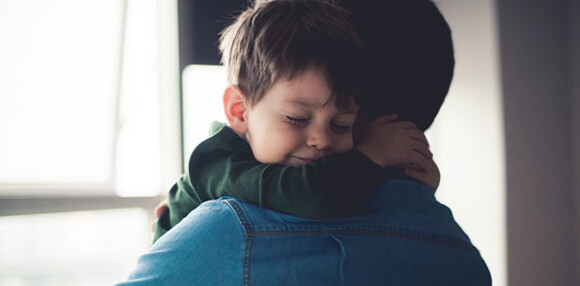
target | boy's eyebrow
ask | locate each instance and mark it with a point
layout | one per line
(307, 104)
(301, 102)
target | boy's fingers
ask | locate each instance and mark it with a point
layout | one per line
(420, 176)
(429, 177)
(419, 147)
(414, 167)
(421, 137)
(425, 152)
(406, 125)
(420, 160)
(415, 174)
(420, 143)
(160, 208)
(418, 135)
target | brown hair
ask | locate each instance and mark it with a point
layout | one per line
(281, 38)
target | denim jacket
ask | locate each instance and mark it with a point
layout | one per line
(407, 238)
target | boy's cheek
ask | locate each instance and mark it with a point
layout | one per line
(344, 146)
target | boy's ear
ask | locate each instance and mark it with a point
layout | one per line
(235, 106)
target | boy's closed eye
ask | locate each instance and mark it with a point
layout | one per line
(341, 127)
(297, 121)
(344, 122)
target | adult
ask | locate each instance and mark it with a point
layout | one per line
(406, 238)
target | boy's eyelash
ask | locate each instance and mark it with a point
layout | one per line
(296, 121)
(341, 129)
(302, 122)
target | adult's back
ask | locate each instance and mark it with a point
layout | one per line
(408, 238)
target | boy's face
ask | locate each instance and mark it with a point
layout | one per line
(296, 121)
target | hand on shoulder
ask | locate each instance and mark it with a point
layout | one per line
(391, 143)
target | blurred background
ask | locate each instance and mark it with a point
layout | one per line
(101, 103)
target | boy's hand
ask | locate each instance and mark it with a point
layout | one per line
(400, 144)
(428, 175)
(159, 209)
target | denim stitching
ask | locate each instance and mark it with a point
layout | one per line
(416, 236)
(247, 261)
(342, 259)
(240, 214)
(432, 239)
(249, 241)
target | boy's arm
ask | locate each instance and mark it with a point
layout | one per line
(329, 187)
(333, 186)
(182, 199)
(223, 165)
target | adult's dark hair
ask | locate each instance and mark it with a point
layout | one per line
(411, 56)
(280, 39)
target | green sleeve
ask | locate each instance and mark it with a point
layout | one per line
(334, 186)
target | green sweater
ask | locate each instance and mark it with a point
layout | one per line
(223, 165)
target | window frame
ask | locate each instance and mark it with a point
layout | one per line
(22, 199)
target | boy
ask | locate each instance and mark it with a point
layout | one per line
(295, 70)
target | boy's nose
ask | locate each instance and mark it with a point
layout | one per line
(319, 139)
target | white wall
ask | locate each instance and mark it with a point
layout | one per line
(574, 34)
(467, 137)
(536, 42)
(508, 136)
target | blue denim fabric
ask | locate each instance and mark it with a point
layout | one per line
(408, 238)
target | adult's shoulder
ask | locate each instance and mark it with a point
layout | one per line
(205, 248)
(208, 219)
(411, 205)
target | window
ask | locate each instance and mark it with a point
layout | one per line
(87, 118)
(203, 88)
(80, 98)
(57, 96)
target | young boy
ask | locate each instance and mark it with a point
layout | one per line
(296, 70)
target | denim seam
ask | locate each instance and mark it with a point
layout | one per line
(247, 281)
(414, 236)
(240, 215)
(249, 241)
(441, 241)
(342, 259)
